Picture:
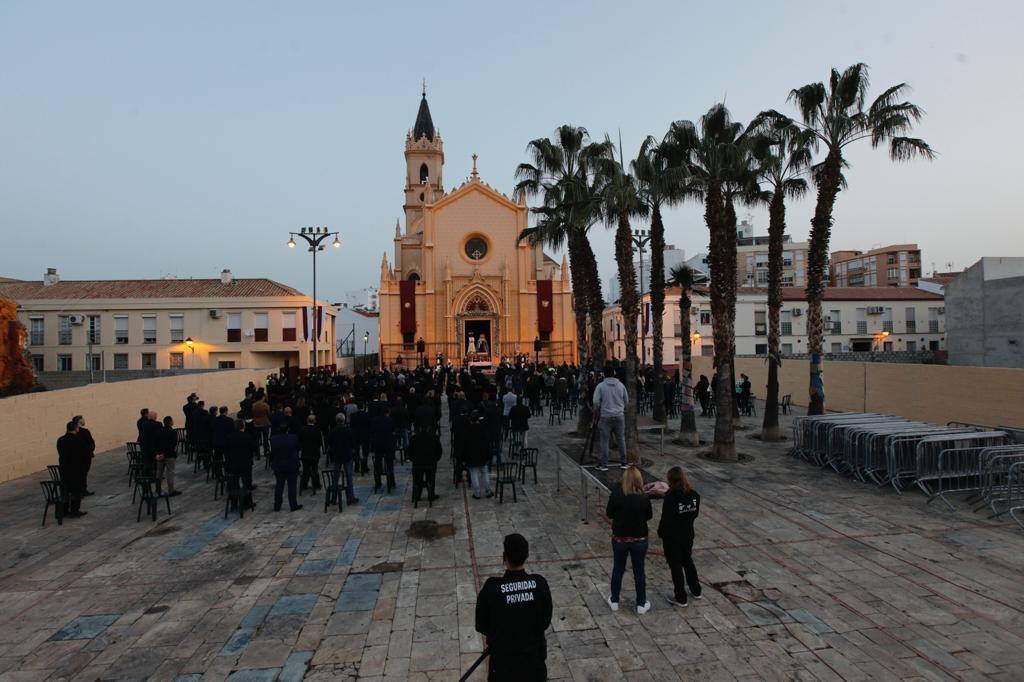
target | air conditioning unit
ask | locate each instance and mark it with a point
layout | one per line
(214, 314)
(797, 312)
(875, 310)
(249, 333)
(942, 310)
(77, 319)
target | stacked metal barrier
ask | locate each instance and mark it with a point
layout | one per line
(891, 450)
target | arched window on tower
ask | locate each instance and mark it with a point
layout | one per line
(414, 276)
(424, 173)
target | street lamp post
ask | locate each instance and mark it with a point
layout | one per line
(314, 236)
(641, 238)
(191, 345)
(366, 340)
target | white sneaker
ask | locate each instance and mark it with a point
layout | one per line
(641, 609)
(613, 604)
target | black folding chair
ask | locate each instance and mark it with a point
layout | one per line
(56, 496)
(149, 495)
(333, 479)
(54, 472)
(528, 460)
(508, 472)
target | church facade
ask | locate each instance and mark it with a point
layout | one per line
(459, 286)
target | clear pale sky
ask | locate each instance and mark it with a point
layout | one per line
(144, 139)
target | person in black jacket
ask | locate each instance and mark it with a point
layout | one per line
(629, 509)
(310, 440)
(424, 451)
(88, 452)
(341, 446)
(143, 418)
(382, 441)
(223, 426)
(284, 460)
(512, 613)
(69, 454)
(680, 510)
(239, 449)
(360, 423)
(477, 454)
(519, 419)
(169, 453)
(152, 443)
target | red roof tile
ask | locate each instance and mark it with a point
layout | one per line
(146, 288)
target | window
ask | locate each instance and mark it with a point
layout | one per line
(887, 346)
(94, 361)
(476, 248)
(761, 349)
(933, 345)
(120, 361)
(177, 328)
(787, 258)
(234, 327)
(786, 322)
(37, 363)
(288, 326)
(911, 317)
(94, 329)
(225, 364)
(892, 273)
(707, 350)
(833, 322)
(760, 323)
(911, 346)
(177, 361)
(149, 361)
(64, 363)
(64, 330)
(424, 173)
(787, 349)
(786, 328)
(762, 277)
(36, 335)
(705, 317)
(121, 329)
(260, 325)
(149, 329)
(891, 259)
(933, 320)
(408, 342)
(837, 348)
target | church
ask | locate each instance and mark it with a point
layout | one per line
(459, 280)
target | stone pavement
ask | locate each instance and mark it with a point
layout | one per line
(806, 576)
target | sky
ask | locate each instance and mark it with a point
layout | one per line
(142, 140)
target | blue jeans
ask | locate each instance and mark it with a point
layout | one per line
(349, 473)
(605, 426)
(479, 479)
(637, 552)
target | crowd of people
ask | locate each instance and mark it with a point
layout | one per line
(358, 423)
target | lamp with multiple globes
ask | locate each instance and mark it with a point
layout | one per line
(315, 237)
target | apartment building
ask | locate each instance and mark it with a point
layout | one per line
(752, 262)
(168, 324)
(896, 265)
(858, 319)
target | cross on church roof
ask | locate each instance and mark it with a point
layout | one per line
(474, 173)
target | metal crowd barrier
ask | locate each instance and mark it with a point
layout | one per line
(998, 487)
(1017, 483)
(956, 470)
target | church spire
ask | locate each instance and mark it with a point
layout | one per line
(424, 124)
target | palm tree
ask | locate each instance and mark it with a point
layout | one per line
(683, 277)
(562, 173)
(708, 151)
(658, 184)
(783, 153)
(620, 203)
(836, 117)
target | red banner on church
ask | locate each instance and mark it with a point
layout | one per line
(545, 304)
(407, 299)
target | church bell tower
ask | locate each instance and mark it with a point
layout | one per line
(424, 161)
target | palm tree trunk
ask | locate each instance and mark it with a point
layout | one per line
(658, 311)
(595, 304)
(817, 254)
(776, 229)
(687, 415)
(731, 275)
(722, 260)
(580, 289)
(628, 301)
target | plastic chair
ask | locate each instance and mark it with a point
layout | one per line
(528, 460)
(234, 492)
(149, 495)
(216, 471)
(786, 404)
(56, 496)
(54, 472)
(332, 479)
(508, 472)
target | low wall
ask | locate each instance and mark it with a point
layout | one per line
(30, 424)
(933, 393)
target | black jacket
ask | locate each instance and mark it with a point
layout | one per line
(341, 443)
(629, 513)
(284, 453)
(678, 513)
(424, 450)
(151, 438)
(223, 426)
(71, 460)
(519, 417)
(168, 442)
(360, 423)
(513, 612)
(238, 452)
(310, 440)
(382, 433)
(478, 445)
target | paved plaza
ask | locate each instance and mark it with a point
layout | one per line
(806, 576)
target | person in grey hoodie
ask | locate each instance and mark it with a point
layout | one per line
(610, 399)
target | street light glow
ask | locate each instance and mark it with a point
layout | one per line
(291, 243)
(336, 244)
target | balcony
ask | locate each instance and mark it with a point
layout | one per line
(760, 329)
(834, 327)
(911, 327)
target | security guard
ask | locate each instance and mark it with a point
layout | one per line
(512, 613)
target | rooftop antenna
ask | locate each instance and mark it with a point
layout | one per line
(424, 87)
